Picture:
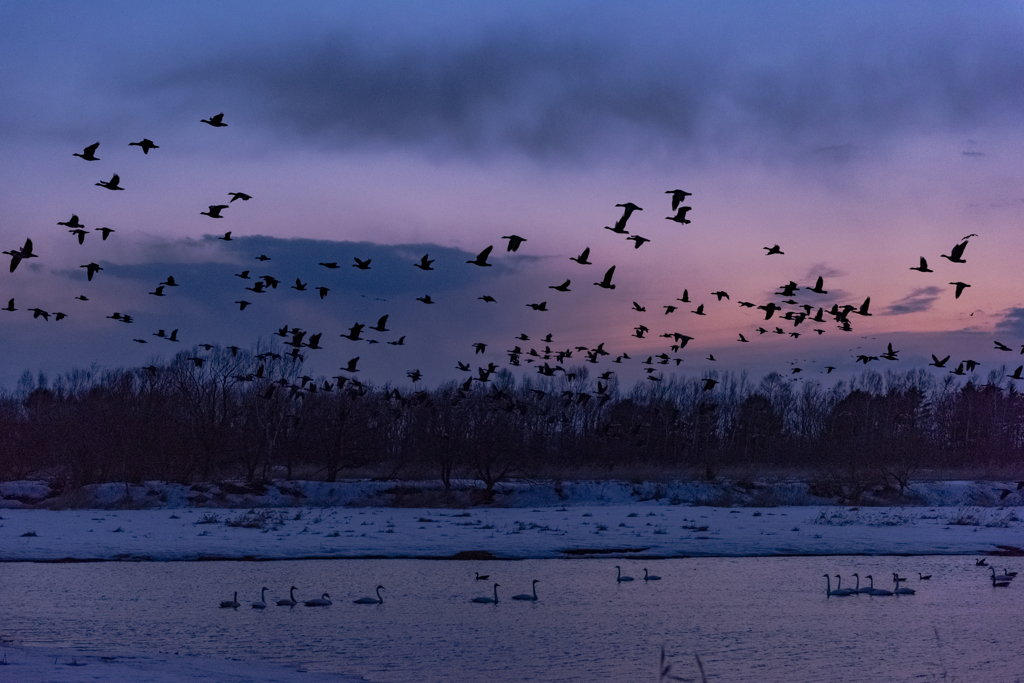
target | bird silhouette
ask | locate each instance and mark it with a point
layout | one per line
(582, 258)
(564, 287)
(214, 211)
(619, 229)
(956, 253)
(262, 257)
(425, 299)
(960, 287)
(10, 306)
(487, 299)
(242, 305)
(818, 287)
(351, 367)
(424, 263)
(863, 310)
(105, 232)
(638, 307)
(700, 310)
(354, 332)
(299, 285)
(173, 336)
(91, 269)
(80, 233)
(938, 363)
(17, 255)
(680, 216)
(71, 222)
(323, 291)
(678, 197)
(38, 312)
(742, 338)
(257, 288)
(169, 282)
(332, 265)
(360, 264)
(923, 267)
(481, 258)
(381, 324)
(709, 383)
(239, 195)
(89, 153)
(686, 297)
(513, 241)
(215, 121)
(1016, 374)
(159, 291)
(146, 144)
(400, 342)
(638, 239)
(1002, 347)
(721, 295)
(111, 184)
(773, 250)
(226, 237)
(542, 306)
(606, 283)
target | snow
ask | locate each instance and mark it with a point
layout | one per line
(50, 665)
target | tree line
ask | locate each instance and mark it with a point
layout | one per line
(248, 415)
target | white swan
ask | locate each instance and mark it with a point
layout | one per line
(650, 577)
(1000, 577)
(876, 591)
(289, 601)
(230, 603)
(262, 604)
(371, 601)
(857, 589)
(828, 588)
(323, 601)
(923, 577)
(1009, 573)
(902, 591)
(839, 587)
(1000, 584)
(527, 596)
(493, 600)
(619, 577)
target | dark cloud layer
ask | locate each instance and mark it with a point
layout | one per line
(799, 78)
(1012, 322)
(920, 299)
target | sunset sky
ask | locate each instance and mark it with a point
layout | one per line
(858, 137)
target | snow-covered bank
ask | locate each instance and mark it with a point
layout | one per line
(511, 494)
(50, 665)
(644, 529)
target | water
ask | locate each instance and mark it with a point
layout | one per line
(749, 619)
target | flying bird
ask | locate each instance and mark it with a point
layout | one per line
(89, 153)
(1002, 347)
(721, 295)
(10, 306)
(955, 254)
(169, 282)
(214, 211)
(424, 263)
(606, 283)
(709, 383)
(481, 258)
(923, 267)
(299, 285)
(680, 216)
(638, 239)
(487, 299)
(700, 310)
(425, 299)
(513, 241)
(226, 237)
(564, 287)
(678, 197)
(351, 367)
(582, 258)
(960, 287)
(542, 306)
(111, 184)
(381, 325)
(818, 287)
(91, 269)
(159, 291)
(242, 305)
(146, 144)
(773, 250)
(215, 121)
(239, 195)
(938, 363)
(354, 332)
(323, 291)
(360, 264)
(638, 307)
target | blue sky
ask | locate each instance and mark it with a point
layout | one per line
(857, 137)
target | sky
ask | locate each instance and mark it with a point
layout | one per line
(858, 137)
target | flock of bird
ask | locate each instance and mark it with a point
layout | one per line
(792, 306)
(998, 581)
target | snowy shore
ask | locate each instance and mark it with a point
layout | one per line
(580, 519)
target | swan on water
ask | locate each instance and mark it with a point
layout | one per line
(230, 603)
(262, 604)
(839, 587)
(857, 589)
(876, 591)
(619, 577)
(371, 601)
(828, 588)
(482, 578)
(289, 601)
(323, 601)
(923, 578)
(1000, 577)
(650, 577)
(493, 600)
(1000, 584)
(1009, 573)
(902, 591)
(527, 596)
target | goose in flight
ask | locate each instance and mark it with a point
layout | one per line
(678, 197)
(38, 312)
(91, 269)
(487, 299)
(606, 283)
(89, 153)
(513, 241)
(709, 383)
(960, 287)
(527, 596)
(169, 282)
(489, 601)
(351, 367)
(938, 363)
(425, 299)
(1002, 347)
(721, 295)
(818, 287)
(638, 307)
(371, 601)
(619, 229)
(863, 310)
(10, 306)
(106, 232)
(262, 604)
(226, 237)
(232, 603)
(481, 258)
(1015, 375)
(323, 291)
(564, 287)
(216, 121)
(424, 263)
(80, 233)
(680, 216)
(111, 184)
(742, 338)
(638, 239)
(542, 306)
(923, 267)
(700, 310)
(71, 222)
(582, 258)
(627, 210)
(17, 255)
(955, 254)
(323, 601)
(360, 264)
(354, 332)
(261, 257)
(381, 324)
(257, 287)
(670, 309)
(299, 285)
(214, 211)
(686, 297)
(159, 291)
(146, 144)
(239, 195)
(242, 305)
(773, 250)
